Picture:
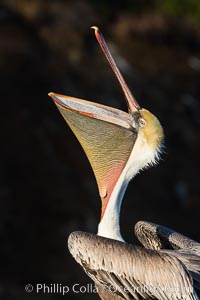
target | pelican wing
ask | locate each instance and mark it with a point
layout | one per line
(154, 236)
(124, 271)
(192, 263)
(106, 134)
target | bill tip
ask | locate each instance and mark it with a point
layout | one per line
(96, 29)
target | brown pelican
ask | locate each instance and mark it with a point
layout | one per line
(118, 145)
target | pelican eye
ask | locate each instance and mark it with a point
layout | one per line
(142, 122)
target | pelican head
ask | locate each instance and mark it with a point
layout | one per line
(151, 135)
(117, 144)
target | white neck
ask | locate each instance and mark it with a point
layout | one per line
(141, 156)
(109, 225)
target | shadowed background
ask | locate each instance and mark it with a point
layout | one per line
(47, 187)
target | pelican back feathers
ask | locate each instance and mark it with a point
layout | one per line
(154, 236)
(131, 272)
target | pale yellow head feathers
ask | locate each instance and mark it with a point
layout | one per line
(151, 128)
(151, 133)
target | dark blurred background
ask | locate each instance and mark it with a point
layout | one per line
(47, 187)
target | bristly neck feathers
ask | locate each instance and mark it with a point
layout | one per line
(145, 153)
